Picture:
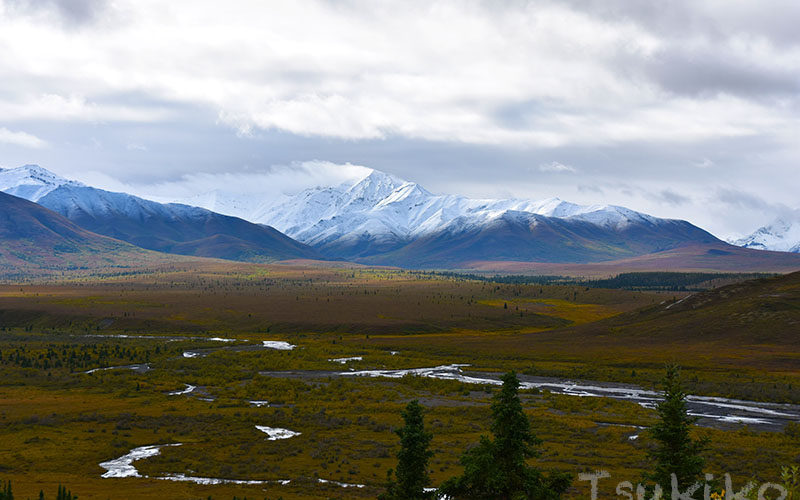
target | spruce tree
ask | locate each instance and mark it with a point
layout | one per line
(5, 491)
(64, 494)
(497, 468)
(412, 459)
(675, 451)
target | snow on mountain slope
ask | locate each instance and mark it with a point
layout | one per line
(384, 208)
(390, 208)
(171, 228)
(378, 217)
(31, 182)
(380, 213)
(782, 235)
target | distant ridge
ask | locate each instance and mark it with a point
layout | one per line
(35, 239)
(170, 228)
(382, 219)
(782, 234)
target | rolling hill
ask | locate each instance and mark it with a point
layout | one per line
(34, 239)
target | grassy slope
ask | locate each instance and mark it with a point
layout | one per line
(36, 240)
(189, 231)
(719, 257)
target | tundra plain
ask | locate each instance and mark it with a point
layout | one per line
(94, 366)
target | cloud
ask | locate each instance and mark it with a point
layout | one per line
(68, 12)
(460, 96)
(533, 74)
(705, 69)
(743, 200)
(23, 139)
(583, 188)
(556, 167)
(264, 183)
(704, 163)
(671, 198)
(77, 108)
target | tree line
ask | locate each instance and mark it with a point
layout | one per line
(497, 468)
(63, 493)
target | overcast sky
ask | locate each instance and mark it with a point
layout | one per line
(685, 109)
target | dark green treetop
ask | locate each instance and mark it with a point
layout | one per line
(676, 452)
(412, 459)
(497, 468)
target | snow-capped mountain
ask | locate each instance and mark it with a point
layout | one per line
(171, 228)
(384, 219)
(782, 235)
(378, 219)
(31, 182)
(387, 206)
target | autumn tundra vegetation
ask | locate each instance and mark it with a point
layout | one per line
(174, 357)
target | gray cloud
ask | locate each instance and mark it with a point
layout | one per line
(671, 198)
(69, 12)
(699, 71)
(583, 188)
(463, 97)
(743, 200)
(717, 20)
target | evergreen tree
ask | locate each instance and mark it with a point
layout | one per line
(64, 494)
(412, 459)
(497, 469)
(675, 452)
(5, 491)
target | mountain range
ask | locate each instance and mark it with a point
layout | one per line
(36, 239)
(379, 219)
(170, 228)
(782, 235)
(382, 219)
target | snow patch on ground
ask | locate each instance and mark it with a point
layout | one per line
(278, 344)
(337, 483)
(123, 466)
(140, 368)
(346, 360)
(214, 480)
(189, 388)
(276, 433)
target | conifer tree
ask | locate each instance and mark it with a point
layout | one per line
(675, 452)
(412, 459)
(64, 494)
(498, 469)
(5, 491)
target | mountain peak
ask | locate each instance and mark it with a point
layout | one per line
(370, 190)
(31, 182)
(782, 235)
(377, 180)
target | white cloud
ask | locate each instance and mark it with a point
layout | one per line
(704, 163)
(262, 183)
(23, 139)
(435, 71)
(556, 167)
(456, 91)
(55, 107)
